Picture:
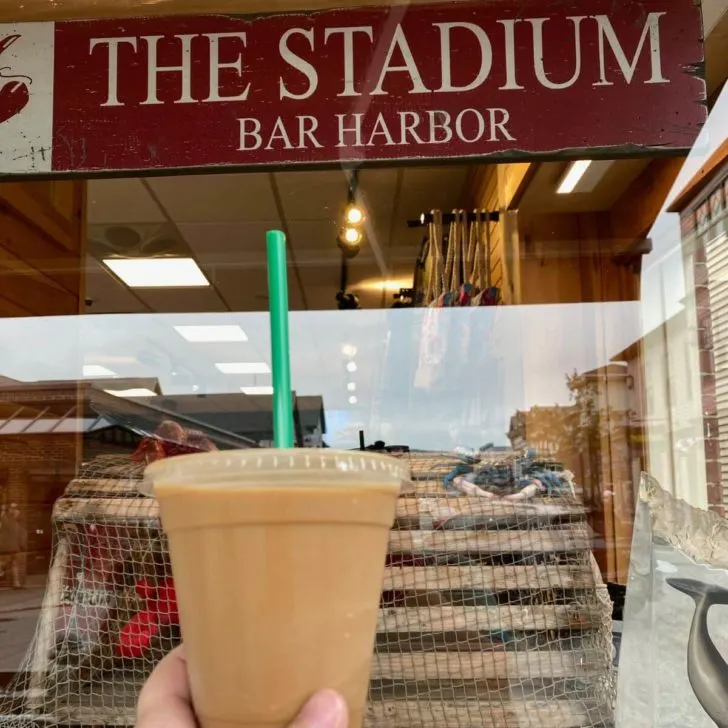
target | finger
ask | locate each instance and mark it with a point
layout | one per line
(326, 709)
(165, 700)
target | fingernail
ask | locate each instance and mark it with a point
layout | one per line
(326, 709)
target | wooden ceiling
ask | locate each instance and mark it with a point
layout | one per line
(601, 187)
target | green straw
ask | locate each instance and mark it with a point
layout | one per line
(279, 341)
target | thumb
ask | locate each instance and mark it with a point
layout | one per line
(326, 709)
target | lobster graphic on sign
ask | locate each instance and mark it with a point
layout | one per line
(14, 89)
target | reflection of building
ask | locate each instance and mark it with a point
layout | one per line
(674, 415)
(248, 416)
(39, 450)
(599, 438)
(703, 208)
(47, 429)
(544, 429)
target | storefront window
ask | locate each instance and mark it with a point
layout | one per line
(520, 298)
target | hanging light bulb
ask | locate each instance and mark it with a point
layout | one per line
(351, 236)
(354, 215)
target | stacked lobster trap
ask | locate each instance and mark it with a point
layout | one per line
(492, 611)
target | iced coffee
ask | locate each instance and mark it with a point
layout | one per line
(278, 558)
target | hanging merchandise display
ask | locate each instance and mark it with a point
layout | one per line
(457, 273)
(458, 267)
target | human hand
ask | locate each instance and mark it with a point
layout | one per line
(165, 701)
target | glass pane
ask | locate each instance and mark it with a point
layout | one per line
(541, 342)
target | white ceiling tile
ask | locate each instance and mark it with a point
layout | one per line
(378, 193)
(427, 188)
(121, 201)
(228, 242)
(216, 197)
(377, 233)
(313, 236)
(444, 176)
(321, 285)
(407, 237)
(312, 195)
(181, 300)
(106, 293)
(246, 289)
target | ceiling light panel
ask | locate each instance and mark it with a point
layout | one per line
(574, 173)
(157, 272)
(211, 334)
(133, 392)
(252, 391)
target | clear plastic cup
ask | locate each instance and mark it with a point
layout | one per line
(278, 558)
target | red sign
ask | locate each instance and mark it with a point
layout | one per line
(506, 78)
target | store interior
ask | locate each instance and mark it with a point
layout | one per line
(220, 221)
(565, 246)
(145, 301)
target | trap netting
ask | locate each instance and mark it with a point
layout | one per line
(493, 612)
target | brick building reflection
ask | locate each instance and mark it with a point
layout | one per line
(599, 437)
(48, 429)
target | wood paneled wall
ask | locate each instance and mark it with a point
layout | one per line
(42, 248)
(497, 188)
(42, 244)
(573, 258)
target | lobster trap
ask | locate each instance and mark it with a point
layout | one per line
(493, 613)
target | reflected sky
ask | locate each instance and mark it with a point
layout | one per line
(428, 378)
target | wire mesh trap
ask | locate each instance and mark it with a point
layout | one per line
(493, 612)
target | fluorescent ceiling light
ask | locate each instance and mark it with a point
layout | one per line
(351, 366)
(158, 272)
(209, 334)
(134, 392)
(574, 173)
(243, 367)
(96, 370)
(351, 387)
(348, 350)
(257, 390)
(352, 400)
